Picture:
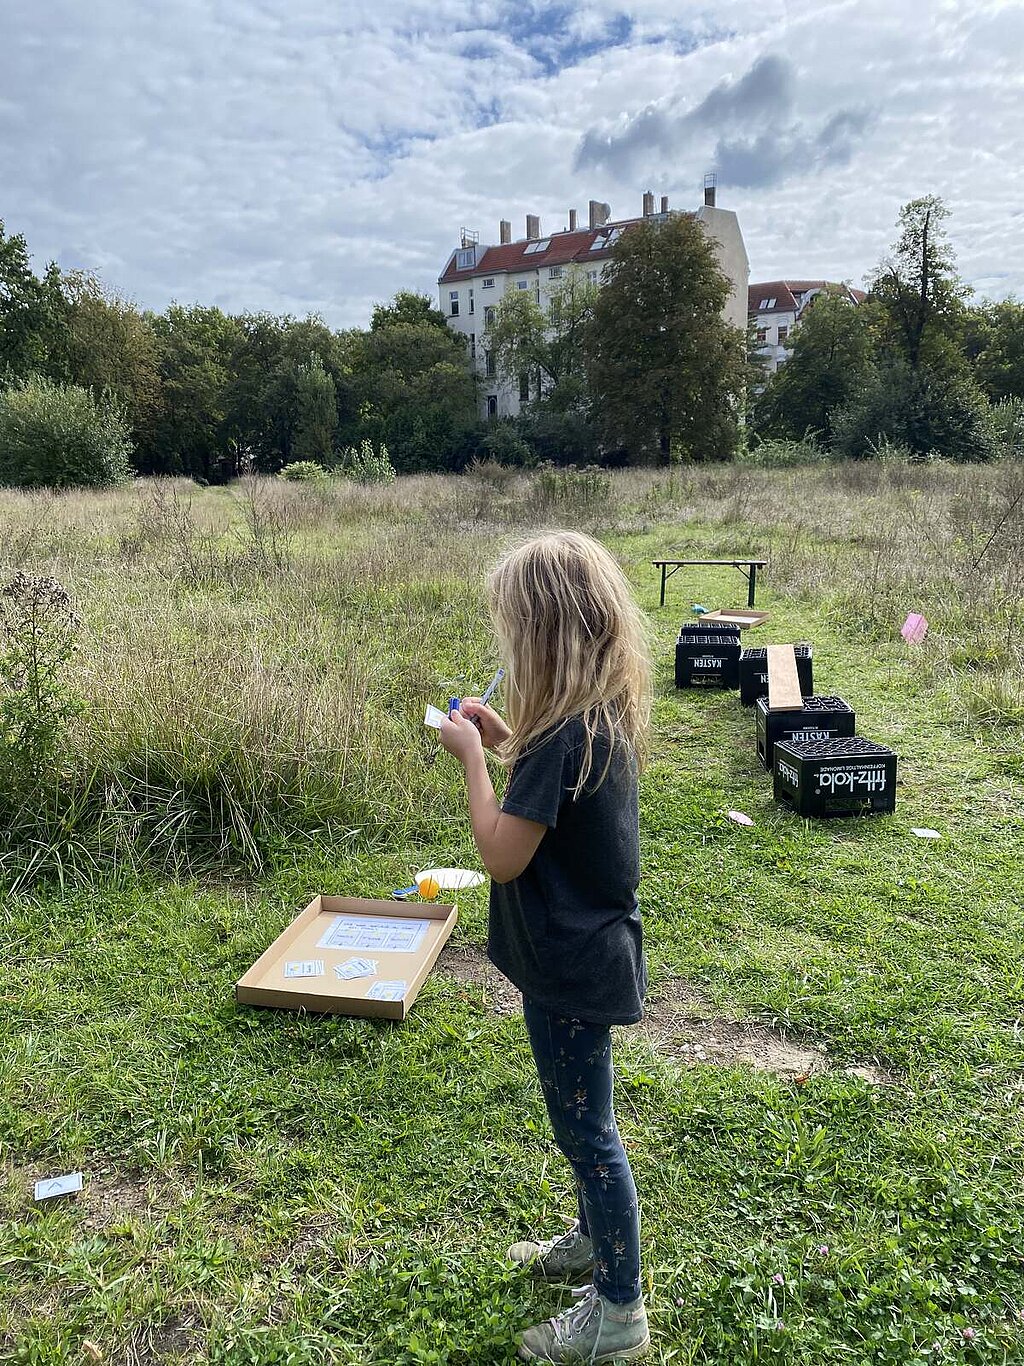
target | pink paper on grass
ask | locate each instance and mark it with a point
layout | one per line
(914, 629)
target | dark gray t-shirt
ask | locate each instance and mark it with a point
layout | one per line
(567, 930)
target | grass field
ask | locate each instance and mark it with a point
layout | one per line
(825, 1110)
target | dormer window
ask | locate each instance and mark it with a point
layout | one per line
(465, 259)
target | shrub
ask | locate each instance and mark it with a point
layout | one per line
(38, 627)
(1008, 422)
(928, 413)
(304, 472)
(583, 490)
(366, 465)
(782, 454)
(59, 436)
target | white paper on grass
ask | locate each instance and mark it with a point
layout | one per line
(923, 833)
(451, 879)
(54, 1186)
(384, 933)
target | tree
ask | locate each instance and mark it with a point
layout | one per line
(58, 436)
(407, 307)
(666, 371)
(31, 311)
(317, 414)
(527, 341)
(109, 347)
(919, 289)
(831, 358)
(998, 359)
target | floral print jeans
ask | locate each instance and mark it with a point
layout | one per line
(574, 1060)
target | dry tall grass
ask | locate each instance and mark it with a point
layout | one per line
(254, 660)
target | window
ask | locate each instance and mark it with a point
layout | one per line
(765, 304)
(522, 284)
(534, 247)
(488, 282)
(453, 303)
(554, 272)
(492, 369)
(492, 405)
(593, 276)
(466, 259)
(524, 387)
(488, 315)
(762, 335)
(472, 346)
(783, 334)
(471, 298)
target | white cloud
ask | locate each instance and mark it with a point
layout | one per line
(296, 155)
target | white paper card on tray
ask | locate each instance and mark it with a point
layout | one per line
(356, 967)
(387, 991)
(305, 967)
(380, 932)
(451, 879)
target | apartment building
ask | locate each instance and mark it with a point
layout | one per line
(776, 307)
(476, 276)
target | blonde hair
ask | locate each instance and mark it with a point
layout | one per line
(574, 643)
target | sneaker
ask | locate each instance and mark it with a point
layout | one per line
(593, 1331)
(570, 1254)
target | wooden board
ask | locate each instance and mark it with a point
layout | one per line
(266, 985)
(784, 692)
(735, 616)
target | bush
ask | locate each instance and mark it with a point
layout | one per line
(782, 454)
(304, 472)
(929, 414)
(59, 436)
(366, 465)
(503, 443)
(1008, 422)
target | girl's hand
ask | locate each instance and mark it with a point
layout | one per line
(493, 730)
(461, 738)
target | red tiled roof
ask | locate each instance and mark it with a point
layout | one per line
(784, 293)
(563, 248)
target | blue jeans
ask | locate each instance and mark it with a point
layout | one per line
(574, 1061)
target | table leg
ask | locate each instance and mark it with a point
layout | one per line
(751, 581)
(663, 568)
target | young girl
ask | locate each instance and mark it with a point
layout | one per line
(562, 850)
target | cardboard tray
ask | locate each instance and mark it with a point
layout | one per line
(736, 616)
(266, 985)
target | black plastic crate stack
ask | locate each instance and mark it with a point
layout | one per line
(820, 718)
(754, 672)
(849, 776)
(708, 656)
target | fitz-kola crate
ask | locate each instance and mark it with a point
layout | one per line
(845, 777)
(720, 629)
(754, 672)
(820, 718)
(707, 661)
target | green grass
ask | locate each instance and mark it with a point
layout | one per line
(266, 1188)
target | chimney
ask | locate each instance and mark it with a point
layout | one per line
(572, 220)
(504, 231)
(710, 182)
(532, 227)
(599, 214)
(648, 203)
(664, 203)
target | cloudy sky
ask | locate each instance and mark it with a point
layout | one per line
(316, 155)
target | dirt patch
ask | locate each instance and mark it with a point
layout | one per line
(679, 1022)
(467, 964)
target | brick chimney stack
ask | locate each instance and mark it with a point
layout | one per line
(648, 203)
(664, 203)
(572, 220)
(599, 214)
(504, 231)
(532, 227)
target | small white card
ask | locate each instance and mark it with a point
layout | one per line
(305, 967)
(923, 833)
(356, 967)
(434, 716)
(54, 1186)
(387, 991)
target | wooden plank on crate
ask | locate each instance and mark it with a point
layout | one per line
(783, 683)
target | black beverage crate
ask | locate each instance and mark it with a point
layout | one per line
(820, 718)
(754, 672)
(712, 628)
(707, 661)
(843, 777)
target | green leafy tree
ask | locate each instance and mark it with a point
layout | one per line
(997, 332)
(59, 436)
(407, 307)
(831, 357)
(919, 291)
(666, 371)
(32, 311)
(923, 412)
(526, 340)
(316, 414)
